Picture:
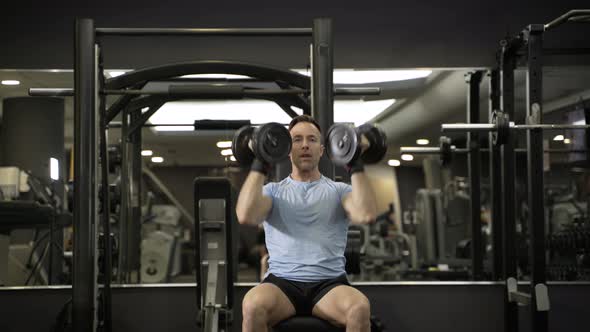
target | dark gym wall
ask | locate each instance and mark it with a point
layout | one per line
(407, 308)
(33, 132)
(179, 180)
(374, 33)
(409, 180)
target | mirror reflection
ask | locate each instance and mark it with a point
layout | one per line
(422, 228)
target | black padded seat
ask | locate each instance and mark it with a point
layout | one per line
(306, 324)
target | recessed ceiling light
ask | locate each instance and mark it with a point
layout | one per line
(422, 141)
(257, 111)
(360, 76)
(224, 144)
(10, 82)
(115, 73)
(147, 153)
(157, 160)
(407, 157)
(558, 138)
(393, 162)
(226, 152)
(567, 141)
(216, 76)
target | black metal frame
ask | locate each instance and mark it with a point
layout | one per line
(536, 217)
(495, 176)
(508, 178)
(474, 171)
(90, 115)
(106, 223)
(85, 195)
(322, 100)
(528, 44)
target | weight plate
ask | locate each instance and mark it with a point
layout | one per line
(446, 155)
(272, 142)
(377, 143)
(239, 147)
(343, 144)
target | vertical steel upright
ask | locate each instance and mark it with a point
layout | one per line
(85, 187)
(134, 223)
(474, 171)
(507, 67)
(322, 84)
(495, 175)
(536, 220)
(106, 208)
(124, 213)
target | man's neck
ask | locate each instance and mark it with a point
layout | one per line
(306, 176)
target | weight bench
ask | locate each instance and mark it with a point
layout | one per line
(306, 324)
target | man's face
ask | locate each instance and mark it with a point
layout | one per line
(307, 147)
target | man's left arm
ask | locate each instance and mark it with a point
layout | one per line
(361, 203)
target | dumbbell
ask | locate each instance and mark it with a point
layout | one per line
(271, 143)
(345, 143)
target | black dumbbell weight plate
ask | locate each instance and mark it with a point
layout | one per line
(378, 144)
(502, 133)
(239, 147)
(272, 142)
(342, 144)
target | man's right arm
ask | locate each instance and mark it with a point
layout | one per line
(252, 206)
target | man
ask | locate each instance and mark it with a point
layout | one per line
(305, 218)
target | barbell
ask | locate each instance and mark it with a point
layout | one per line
(501, 127)
(446, 150)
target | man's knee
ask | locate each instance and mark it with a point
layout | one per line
(253, 308)
(359, 310)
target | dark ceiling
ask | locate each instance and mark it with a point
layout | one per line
(368, 34)
(453, 36)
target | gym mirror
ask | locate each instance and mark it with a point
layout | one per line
(424, 227)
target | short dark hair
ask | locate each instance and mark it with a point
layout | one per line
(304, 118)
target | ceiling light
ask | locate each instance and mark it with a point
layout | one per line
(393, 162)
(567, 141)
(232, 158)
(10, 82)
(297, 110)
(407, 157)
(157, 160)
(355, 76)
(216, 76)
(54, 169)
(224, 144)
(359, 111)
(147, 153)
(257, 111)
(422, 141)
(114, 73)
(226, 152)
(558, 138)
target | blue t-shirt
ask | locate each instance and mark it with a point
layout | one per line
(306, 229)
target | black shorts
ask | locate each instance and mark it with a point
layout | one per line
(305, 295)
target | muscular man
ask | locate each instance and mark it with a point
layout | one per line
(305, 218)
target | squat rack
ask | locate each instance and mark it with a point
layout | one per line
(525, 47)
(92, 119)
